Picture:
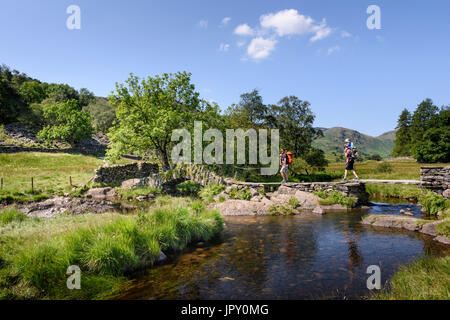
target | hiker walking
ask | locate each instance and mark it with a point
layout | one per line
(351, 155)
(284, 165)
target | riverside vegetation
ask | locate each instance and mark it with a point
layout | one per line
(35, 253)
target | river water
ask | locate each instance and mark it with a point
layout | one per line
(288, 257)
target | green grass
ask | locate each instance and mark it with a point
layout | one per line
(139, 191)
(394, 191)
(335, 197)
(242, 194)
(443, 228)
(50, 171)
(10, 215)
(401, 169)
(35, 254)
(426, 279)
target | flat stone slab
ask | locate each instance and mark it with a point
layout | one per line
(412, 182)
(407, 223)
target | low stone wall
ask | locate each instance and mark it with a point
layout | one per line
(353, 189)
(201, 175)
(120, 173)
(436, 179)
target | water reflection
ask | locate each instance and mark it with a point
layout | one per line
(298, 257)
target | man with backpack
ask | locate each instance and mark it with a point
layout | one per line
(285, 161)
(351, 154)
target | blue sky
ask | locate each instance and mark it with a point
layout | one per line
(320, 51)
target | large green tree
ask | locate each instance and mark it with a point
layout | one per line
(67, 122)
(149, 110)
(294, 118)
(402, 142)
(422, 119)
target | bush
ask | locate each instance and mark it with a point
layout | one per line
(375, 157)
(189, 188)
(335, 197)
(242, 194)
(207, 193)
(67, 122)
(383, 167)
(294, 203)
(433, 203)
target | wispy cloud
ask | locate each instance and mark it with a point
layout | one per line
(225, 21)
(290, 22)
(345, 34)
(260, 48)
(333, 50)
(244, 30)
(203, 24)
(280, 24)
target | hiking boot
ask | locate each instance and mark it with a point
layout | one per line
(357, 179)
(344, 180)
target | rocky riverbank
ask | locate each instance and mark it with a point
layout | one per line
(408, 223)
(240, 200)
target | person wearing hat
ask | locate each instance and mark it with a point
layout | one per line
(348, 149)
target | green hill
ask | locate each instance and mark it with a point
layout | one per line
(333, 142)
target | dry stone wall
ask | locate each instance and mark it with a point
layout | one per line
(119, 173)
(436, 179)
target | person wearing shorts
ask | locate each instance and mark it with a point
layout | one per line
(284, 165)
(349, 164)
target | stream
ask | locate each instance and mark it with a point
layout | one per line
(288, 257)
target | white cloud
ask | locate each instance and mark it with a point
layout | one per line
(225, 20)
(345, 34)
(224, 47)
(244, 30)
(241, 43)
(333, 49)
(203, 24)
(290, 22)
(379, 38)
(260, 48)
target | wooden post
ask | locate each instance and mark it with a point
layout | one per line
(70, 179)
(32, 185)
(2, 184)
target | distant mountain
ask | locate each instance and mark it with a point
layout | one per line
(333, 142)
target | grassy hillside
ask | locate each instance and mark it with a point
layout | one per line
(333, 141)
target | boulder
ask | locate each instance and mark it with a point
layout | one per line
(99, 194)
(132, 183)
(446, 193)
(243, 207)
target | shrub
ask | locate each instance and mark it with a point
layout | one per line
(294, 203)
(207, 193)
(188, 188)
(335, 197)
(433, 203)
(444, 228)
(383, 167)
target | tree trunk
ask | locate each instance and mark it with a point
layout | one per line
(165, 161)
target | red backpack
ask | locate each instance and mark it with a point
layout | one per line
(290, 158)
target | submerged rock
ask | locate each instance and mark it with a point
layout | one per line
(107, 193)
(407, 223)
